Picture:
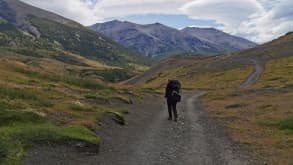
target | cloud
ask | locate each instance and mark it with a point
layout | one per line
(91, 11)
(257, 20)
(78, 10)
(269, 24)
(120, 8)
(230, 13)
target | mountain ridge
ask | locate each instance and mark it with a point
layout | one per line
(42, 29)
(212, 35)
(158, 39)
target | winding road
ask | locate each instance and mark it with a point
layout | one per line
(254, 76)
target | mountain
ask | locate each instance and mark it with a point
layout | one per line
(277, 49)
(27, 27)
(219, 38)
(158, 39)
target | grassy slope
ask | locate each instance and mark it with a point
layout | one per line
(85, 42)
(78, 50)
(48, 93)
(259, 116)
(38, 105)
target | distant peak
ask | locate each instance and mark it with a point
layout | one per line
(156, 24)
(118, 22)
(202, 28)
(114, 21)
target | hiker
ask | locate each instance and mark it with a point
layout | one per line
(172, 95)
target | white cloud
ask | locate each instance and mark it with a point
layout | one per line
(230, 13)
(91, 11)
(258, 20)
(78, 10)
(271, 23)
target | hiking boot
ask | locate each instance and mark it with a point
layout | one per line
(175, 119)
(170, 118)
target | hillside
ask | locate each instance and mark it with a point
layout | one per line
(219, 38)
(275, 49)
(27, 27)
(158, 39)
(57, 81)
(257, 115)
(69, 95)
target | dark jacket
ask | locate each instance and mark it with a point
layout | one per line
(171, 86)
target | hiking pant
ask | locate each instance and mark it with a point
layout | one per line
(172, 108)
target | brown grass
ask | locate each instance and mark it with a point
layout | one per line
(252, 115)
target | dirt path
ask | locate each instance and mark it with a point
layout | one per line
(150, 139)
(258, 70)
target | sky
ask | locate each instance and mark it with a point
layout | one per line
(257, 20)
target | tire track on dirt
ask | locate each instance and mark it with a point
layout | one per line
(254, 76)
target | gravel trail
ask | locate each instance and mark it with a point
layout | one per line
(254, 76)
(150, 139)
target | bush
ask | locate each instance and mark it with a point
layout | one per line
(234, 106)
(286, 124)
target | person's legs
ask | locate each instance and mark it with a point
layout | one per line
(174, 110)
(169, 103)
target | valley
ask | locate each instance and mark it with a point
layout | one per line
(70, 95)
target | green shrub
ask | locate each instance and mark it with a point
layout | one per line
(286, 124)
(4, 106)
(234, 106)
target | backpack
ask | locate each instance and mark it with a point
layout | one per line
(176, 96)
(176, 86)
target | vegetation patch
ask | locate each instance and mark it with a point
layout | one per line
(232, 106)
(278, 74)
(109, 98)
(286, 124)
(110, 75)
(24, 94)
(70, 80)
(16, 138)
(11, 117)
(19, 129)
